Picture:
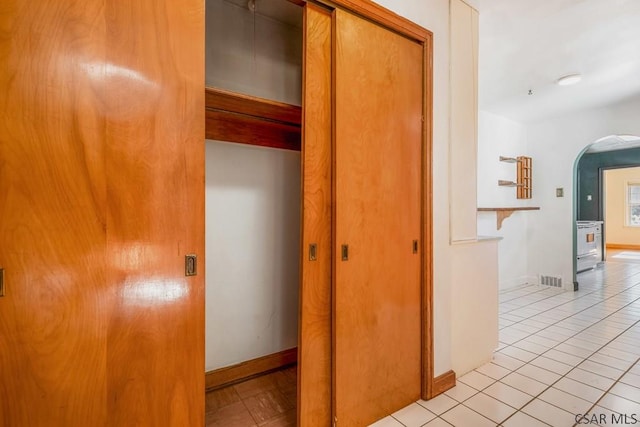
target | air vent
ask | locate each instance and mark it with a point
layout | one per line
(554, 281)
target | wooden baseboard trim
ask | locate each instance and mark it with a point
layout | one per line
(251, 368)
(443, 383)
(623, 246)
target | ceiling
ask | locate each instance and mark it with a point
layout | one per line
(614, 143)
(528, 44)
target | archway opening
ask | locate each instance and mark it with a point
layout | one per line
(589, 227)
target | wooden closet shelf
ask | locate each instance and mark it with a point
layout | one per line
(504, 213)
(251, 120)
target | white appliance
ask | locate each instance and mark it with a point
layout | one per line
(589, 240)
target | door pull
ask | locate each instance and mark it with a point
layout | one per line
(415, 246)
(190, 265)
(345, 252)
(313, 252)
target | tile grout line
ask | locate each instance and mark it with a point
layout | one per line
(590, 293)
(568, 317)
(618, 320)
(611, 387)
(576, 366)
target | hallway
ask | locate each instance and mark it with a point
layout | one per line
(561, 354)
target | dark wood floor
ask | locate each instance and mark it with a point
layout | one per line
(269, 400)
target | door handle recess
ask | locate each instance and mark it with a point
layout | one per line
(345, 252)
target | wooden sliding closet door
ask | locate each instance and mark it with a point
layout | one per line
(378, 152)
(314, 348)
(101, 197)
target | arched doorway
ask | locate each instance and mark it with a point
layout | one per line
(610, 152)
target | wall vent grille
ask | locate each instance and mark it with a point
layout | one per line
(553, 281)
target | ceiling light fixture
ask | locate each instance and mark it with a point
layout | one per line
(571, 79)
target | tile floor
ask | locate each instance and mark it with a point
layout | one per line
(268, 401)
(560, 354)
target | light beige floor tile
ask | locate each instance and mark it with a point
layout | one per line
(619, 404)
(507, 361)
(387, 422)
(610, 417)
(544, 341)
(576, 351)
(438, 404)
(579, 389)
(493, 371)
(569, 359)
(566, 401)
(461, 416)
(619, 354)
(627, 391)
(507, 394)
(524, 384)
(518, 353)
(476, 380)
(589, 378)
(587, 345)
(437, 422)
(539, 374)
(549, 414)
(631, 379)
(551, 365)
(520, 419)
(531, 347)
(414, 415)
(607, 360)
(461, 392)
(490, 407)
(600, 369)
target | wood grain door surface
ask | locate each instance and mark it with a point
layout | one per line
(377, 292)
(314, 356)
(101, 197)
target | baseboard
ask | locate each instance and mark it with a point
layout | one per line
(443, 383)
(623, 246)
(511, 284)
(229, 375)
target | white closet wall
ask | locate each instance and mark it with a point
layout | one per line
(256, 54)
(252, 252)
(252, 193)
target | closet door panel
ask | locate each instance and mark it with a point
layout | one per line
(314, 356)
(155, 212)
(54, 312)
(101, 196)
(378, 150)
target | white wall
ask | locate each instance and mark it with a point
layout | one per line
(499, 136)
(554, 145)
(266, 63)
(475, 301)
(463, 121)
(617, 231)
(252, 252)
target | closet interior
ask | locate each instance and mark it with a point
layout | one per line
(253, 208)
(317, 213)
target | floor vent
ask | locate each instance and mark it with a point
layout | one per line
(554, 281)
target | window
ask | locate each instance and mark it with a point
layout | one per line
(633, 204)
